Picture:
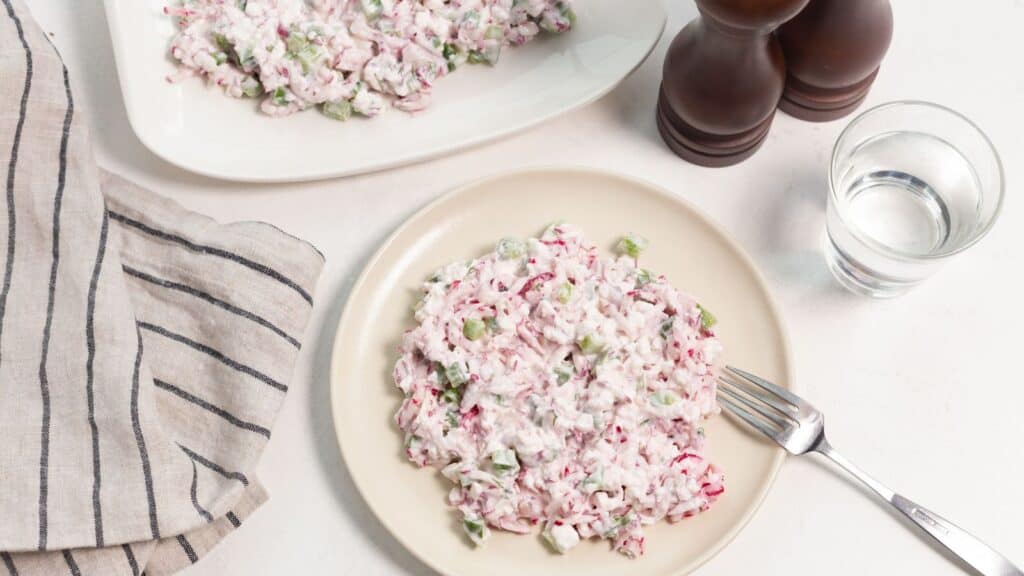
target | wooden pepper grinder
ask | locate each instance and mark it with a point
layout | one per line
(833, 50)
(722, 79)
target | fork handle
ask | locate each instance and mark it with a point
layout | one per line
(969, 549)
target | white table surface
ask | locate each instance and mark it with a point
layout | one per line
(926, 391)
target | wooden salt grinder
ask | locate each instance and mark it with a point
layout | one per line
(722, 79)
(833, 50)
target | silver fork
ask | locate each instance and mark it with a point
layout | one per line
(800, 428)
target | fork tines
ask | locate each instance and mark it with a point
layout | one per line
(741, 393)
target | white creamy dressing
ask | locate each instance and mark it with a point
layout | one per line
(555, 387)
(349, 56)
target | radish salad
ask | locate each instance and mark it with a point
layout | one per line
(557, 388)
(349, 56)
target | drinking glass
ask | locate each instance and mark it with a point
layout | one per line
(910, 185)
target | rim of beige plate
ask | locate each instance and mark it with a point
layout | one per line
(336, 385)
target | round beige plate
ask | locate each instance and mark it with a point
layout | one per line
(696, 256)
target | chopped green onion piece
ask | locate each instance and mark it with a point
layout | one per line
(494, 33)
(308, 56)
(591, 344)
(296, 41)
(452, 419)
(280, 96)
(492, 324)
(475, 529)
(338, 109)
(707, 319)
(568, 13)
(442, 376)
(476, 57)
(564, 372)
(220, 57)
(473, 329)
(643, 278)
(456, 374)
(451, 55)
(248, 63)
(300, 48)
(632, 245)
(666, 327)
(510, 248)
(251, 87)
(564, 293)
(664, 398)
(451, 396)
(504, 460)
(223, 43)
(565, 19)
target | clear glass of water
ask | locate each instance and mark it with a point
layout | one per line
(911, 184)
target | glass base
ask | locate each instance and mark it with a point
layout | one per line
(859, 279)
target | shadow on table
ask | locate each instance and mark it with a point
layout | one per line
(892, 512)
(791, 218)
(793, 229)
(349, 500)
(634, 101)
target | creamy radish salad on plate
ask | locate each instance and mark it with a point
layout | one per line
(349, 56)
(557, 388)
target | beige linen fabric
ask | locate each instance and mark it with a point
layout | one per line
(144, 350)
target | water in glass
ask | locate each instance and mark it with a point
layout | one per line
(902, 199)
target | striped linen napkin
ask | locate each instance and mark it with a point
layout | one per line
(144, 350)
